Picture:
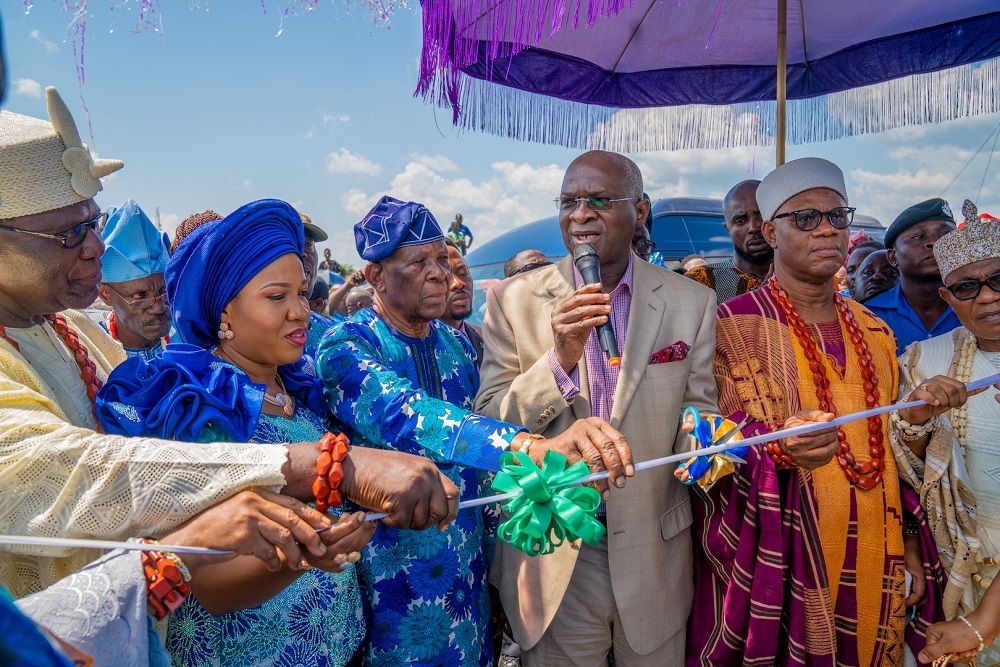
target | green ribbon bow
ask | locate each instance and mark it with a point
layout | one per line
(542, 518)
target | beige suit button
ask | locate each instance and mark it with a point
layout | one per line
(539, 420)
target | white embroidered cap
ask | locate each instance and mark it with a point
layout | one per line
(44, 165)
(795, 177)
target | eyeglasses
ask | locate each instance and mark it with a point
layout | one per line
(529, 267)
(809, 219)
(644, 246)
(965, 290)
(73, 236)
(593, 203)
(143, 303)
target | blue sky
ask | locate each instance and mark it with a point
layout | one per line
(219, 109)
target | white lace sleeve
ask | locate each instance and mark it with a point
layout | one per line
(59, 480)
(100, 610)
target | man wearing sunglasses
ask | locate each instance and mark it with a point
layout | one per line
(810, 528)
(914, 309)
(951, 459)
(135, 256)
(61, 477)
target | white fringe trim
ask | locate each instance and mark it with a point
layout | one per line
(959, 92)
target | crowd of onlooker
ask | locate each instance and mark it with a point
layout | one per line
(243, 419)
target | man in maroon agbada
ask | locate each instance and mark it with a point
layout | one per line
(800, 553)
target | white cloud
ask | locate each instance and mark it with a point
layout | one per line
(28, 87)
(50, 47)
(512, 195)
(346, 162)
(247, 184)
(434, 162)
(929, 161)
(335, 118)
(310, 133)
(169, 223)
(701, 173)
(357, 202)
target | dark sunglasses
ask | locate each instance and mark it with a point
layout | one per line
(529, 267)
(965, 290)
(73, 236)
(809, 219)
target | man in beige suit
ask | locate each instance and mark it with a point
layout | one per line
(544, 369)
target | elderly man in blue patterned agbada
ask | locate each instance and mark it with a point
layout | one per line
(399, 379)
(135, 256)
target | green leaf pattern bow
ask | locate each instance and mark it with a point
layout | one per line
(543, 517)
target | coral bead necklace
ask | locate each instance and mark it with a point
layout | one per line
(864, 474)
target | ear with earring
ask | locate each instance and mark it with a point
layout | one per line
(225, 331)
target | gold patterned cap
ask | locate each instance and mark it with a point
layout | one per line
(44, 165)
(976, 238)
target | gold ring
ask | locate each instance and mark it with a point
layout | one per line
(353, 557)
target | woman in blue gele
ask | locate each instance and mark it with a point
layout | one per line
(237, 288)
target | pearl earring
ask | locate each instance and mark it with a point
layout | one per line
(225, 331)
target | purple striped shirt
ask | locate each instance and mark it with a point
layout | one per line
(602, 378)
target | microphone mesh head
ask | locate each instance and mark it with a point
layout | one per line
(583, 250)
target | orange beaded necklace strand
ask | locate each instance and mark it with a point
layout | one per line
(864, 474)
(87, 368)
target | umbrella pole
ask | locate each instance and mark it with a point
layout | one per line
(779, 139)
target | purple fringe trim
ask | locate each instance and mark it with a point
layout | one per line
(454, 29)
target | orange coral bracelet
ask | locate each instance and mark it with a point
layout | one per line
(166, 581)
(330, 470)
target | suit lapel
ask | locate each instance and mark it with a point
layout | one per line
(644, 319)
(560, 286)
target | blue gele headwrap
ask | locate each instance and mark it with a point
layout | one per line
(183, 390)
(393, 223)
(219, 258)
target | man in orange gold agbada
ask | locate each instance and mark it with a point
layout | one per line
(800, 553)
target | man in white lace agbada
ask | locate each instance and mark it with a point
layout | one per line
(59, 476)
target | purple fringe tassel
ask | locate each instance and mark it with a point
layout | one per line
(454, 29)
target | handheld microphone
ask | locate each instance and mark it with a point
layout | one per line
(589, 265)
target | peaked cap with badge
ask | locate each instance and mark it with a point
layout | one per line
(43, 164)
(930, 209)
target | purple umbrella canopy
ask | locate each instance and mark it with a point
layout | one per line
(636, 75)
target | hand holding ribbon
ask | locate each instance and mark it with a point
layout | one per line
(543, 517)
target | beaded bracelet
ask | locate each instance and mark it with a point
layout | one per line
(778, 453)
(982, 643)
(330, 470)
(166, 581)
(910, 432)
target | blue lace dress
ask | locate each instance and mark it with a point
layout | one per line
(318, 620)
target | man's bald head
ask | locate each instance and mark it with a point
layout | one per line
(749, 186)
(526, 259)
(615, 162)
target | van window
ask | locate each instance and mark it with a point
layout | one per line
(678, 236)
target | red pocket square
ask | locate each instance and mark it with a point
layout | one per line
(675, 352)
